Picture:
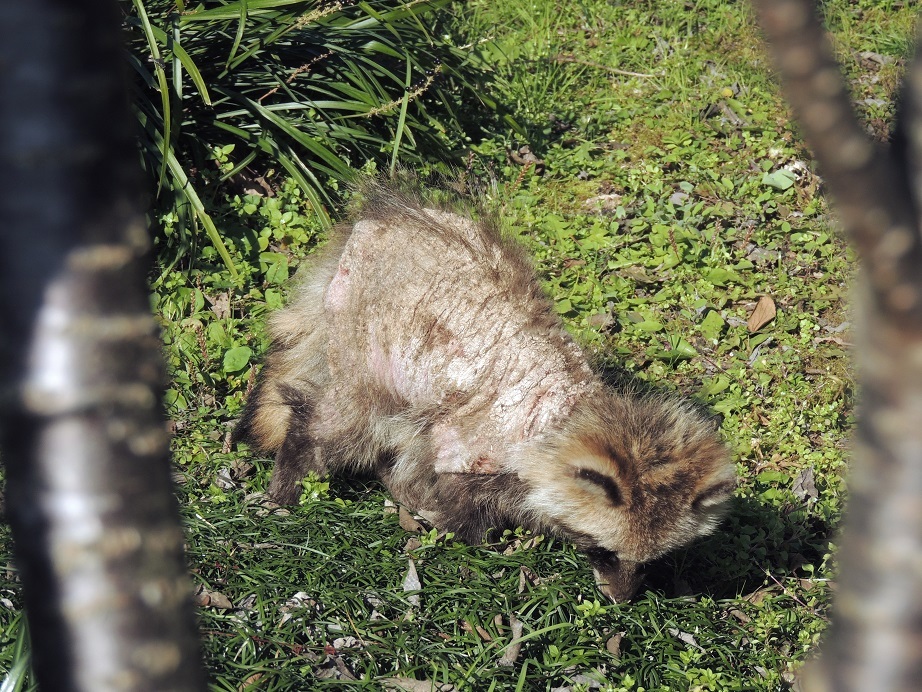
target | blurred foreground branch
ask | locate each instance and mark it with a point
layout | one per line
(97, 534)
(876, 639)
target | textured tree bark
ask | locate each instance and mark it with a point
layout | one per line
(96, 529)
(875, 642)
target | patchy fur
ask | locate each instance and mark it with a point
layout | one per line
(421, 349)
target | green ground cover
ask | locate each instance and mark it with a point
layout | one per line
(666, 198)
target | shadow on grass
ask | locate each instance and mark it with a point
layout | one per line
(753, 541)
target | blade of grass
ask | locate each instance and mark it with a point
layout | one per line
(336, 166)
(161, 82)
(177, 72)
(16, 678)
(232, 9)
(180, 56)
(306, 180)
(520, 685)
(191, 195)
(238, 37)
(244, 162)
(296, 169)
(330, 72)
(402, 119)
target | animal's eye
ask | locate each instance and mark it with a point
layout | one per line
(607, 483)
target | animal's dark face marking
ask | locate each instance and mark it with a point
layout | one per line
(599, 555)
(606, 483)
(713, 495)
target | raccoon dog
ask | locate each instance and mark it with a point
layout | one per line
(420, 349)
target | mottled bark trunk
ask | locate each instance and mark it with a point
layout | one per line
(97, 534)
(876, 638)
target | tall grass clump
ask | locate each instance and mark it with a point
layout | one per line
(314, 87)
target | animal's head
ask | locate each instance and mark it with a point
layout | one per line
(630, 478)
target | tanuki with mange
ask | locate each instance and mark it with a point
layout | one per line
(420, 349)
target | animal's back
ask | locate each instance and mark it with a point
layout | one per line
(469, 333)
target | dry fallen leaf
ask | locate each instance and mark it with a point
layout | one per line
(241, 469)
(224, 480)
(603, 203)
(525, 157)
(834, 339)
(251, 682)
(211, 599)
(300, 601)
(685, 637)
(412, 544)
(526, 577)
(480, 631)
(581, 681)
(613, 645)
(635, 273)
(804, 487)
(763, 314)
(601, 320)
(219, 600)
(531, 542)
(220, 305)
(512, 650)
(334, 668)
(411, 583)
(740, 615)
(756, 597)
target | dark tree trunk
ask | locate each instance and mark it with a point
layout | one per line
(875, 642)
(96, 529)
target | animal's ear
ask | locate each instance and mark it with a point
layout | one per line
(600, 482)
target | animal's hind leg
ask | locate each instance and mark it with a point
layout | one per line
(294, 461)
(298, 454)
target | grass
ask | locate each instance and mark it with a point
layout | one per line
(312, 88)
(666, 203)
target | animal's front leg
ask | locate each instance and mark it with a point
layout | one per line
(295, 460)
(467, 504)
